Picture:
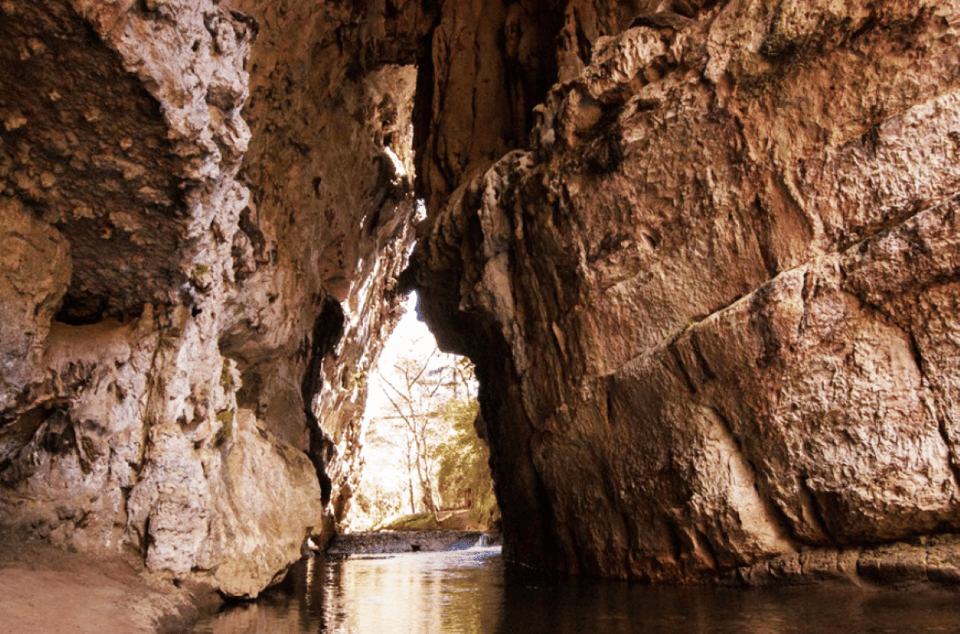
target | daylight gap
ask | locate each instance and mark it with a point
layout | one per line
(424, 465)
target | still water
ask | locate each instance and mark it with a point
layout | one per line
(474, 592)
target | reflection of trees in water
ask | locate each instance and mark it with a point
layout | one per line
(473, 592)
(421, 593)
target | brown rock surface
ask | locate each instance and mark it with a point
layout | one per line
(182, 328)
(713, 303)
(46, 589)
(709, 282)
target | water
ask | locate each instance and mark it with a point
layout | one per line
(474, 592)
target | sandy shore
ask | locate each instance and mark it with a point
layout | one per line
(44, 589)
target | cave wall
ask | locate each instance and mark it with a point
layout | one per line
(329, 169)
(204, 208)
(702, 253)
(712, 296)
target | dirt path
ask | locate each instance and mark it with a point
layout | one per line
(44, 589)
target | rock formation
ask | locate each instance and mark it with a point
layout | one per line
(197, 274)
(713, 299)
(703, 254)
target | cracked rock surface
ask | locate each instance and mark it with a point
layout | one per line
(713, 300)
(201, 225)
(703, 253)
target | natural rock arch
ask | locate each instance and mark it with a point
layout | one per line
(708, 283)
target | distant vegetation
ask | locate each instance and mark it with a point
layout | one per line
(463, 476)
(443, 466)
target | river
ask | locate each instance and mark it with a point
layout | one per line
(474, 592)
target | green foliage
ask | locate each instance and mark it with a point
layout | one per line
(463, 477)
(376, 503)
(358, 379)
(415, 522)
(429, 433)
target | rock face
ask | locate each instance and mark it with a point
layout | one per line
(713, 299)
(330, 221)
(185, 333)
(709, 282)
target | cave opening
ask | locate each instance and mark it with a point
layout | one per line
(425, 466)
(675, 256)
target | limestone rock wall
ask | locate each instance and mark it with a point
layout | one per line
(202, 211)
(330, 219)
(702, 252)
(713, 297)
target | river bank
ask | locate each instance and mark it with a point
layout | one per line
(406, 541)
(44, 589)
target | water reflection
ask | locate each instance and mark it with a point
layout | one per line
(413, 592)
(457, 591)
(473, 592)
(539, 603)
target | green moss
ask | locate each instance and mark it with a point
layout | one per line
(226, 430)
(417, 522)
(676, 336)
(200, 277)
(358, 379)
(226, 377)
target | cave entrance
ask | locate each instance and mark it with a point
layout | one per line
(425, 467)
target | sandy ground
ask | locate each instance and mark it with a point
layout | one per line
(44, 589)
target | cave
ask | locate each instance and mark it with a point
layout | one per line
(699, 252)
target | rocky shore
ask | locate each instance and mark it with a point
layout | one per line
(926, 561)
(45, 589)
(403, 542)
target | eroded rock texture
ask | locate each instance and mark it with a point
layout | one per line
(713, 299)
(186, 333)
(330, 173)
(708, 282)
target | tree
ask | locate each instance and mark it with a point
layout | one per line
(463, 477)
(438, 409)
(377, 503)
(416, 394)
(428, 455)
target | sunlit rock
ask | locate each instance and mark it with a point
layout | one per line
(712, 301)
(202, 224)
(702, 253)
